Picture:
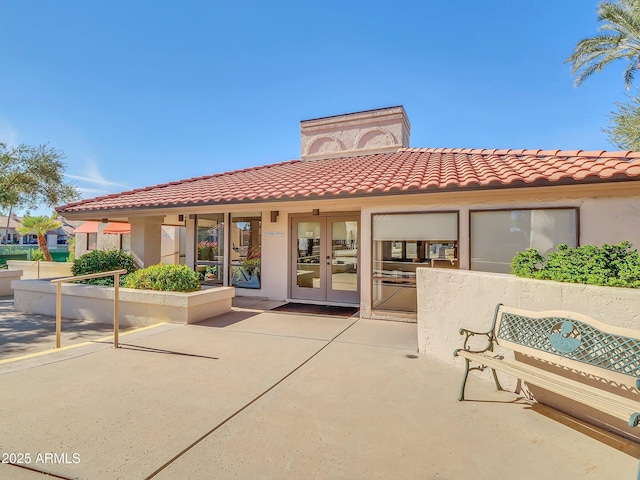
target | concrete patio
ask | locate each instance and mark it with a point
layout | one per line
(259, 394)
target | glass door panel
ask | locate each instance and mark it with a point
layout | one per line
(344, 255)
(309, 246)
(343, 262)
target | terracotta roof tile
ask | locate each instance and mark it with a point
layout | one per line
(409, 169)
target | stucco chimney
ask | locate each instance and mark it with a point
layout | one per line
(361, 133)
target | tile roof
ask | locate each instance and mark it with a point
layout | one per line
(410, 170)
(14, 222)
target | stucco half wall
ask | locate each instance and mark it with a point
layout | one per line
(137, 307)
(451, 299)
(6, 277)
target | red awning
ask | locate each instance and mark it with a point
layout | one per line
(88, 227)
(117, 228)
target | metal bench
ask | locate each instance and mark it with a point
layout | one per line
(573, 342)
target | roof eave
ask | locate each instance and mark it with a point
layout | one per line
(125, 210)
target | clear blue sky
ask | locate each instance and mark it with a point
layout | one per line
(148, 91)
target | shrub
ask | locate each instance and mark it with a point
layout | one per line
(103, 261)
(527, 263)
(608, 265)
(172, 278)
(37, 255)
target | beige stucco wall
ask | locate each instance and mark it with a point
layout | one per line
(41, 269)
(104, 241)
(170, 245)
(449, 300)
(137, 307)
(6, 277)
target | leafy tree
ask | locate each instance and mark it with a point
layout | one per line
(40, 226)
(624, 125)
(31, 176)
(619, 40)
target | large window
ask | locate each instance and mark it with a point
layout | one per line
(210, 246)
(404, 241)
(497, 235)
(245, 254)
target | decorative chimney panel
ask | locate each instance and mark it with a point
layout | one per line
(362, 133)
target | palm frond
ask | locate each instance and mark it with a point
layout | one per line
(619, 39)
(630, 72)
(619, 19)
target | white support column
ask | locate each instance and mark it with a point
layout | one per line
(146, 240)
(190, 244)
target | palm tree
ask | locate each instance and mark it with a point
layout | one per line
(40, 226)
(620, 39)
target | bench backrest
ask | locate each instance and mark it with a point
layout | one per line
(572, 340)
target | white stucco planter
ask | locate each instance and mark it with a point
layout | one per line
(40, 269)
(137, 307)
(451, 299)
(6, 277)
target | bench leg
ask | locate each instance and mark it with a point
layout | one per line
(495, 379)
(464, 380)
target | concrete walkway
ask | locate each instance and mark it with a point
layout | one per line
(255, 394)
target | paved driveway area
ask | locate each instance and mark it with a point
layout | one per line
(24, 334)
(266, 395)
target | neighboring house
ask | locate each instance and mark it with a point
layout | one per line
(59, 236)
(351, 220)
(10, 236)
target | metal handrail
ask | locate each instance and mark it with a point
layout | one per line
(36, 262)
(116, 300)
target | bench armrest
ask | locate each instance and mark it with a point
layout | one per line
(489, 334)
(467, 336)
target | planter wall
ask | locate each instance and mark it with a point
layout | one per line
(137, 307)
(6, 277)
(41, 269)
(451, 299)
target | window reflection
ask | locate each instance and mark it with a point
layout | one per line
(246, 249)
(210, 248)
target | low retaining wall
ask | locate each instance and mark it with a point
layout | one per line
(41, 269)
(137, 307)
(6, 277)
(452, 299)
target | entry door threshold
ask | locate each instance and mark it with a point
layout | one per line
(323, 302)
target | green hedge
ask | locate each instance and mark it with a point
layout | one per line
(172, 278)
(609, 265)
(103, 261)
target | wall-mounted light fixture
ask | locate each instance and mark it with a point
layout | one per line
(181, 218)
(105, 220)
(274, 216)
(316, 211)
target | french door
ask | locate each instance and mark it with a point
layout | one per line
(324, 258)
